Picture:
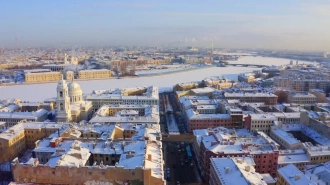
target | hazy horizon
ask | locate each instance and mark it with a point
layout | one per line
(288, 25)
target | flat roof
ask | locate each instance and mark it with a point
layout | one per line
(291, 158)
(290, 172)
(191, 114)
(285, 136)
(236, 173)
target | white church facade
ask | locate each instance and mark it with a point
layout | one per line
(70, 104)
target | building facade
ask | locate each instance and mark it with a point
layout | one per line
(90, 74)
(42, 77)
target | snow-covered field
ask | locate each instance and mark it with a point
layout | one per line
(40, 92)
(263, 60)
(160, 71)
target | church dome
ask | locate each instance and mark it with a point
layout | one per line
(75, 91)
(74, 86)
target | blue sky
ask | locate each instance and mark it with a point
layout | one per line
(280, 24)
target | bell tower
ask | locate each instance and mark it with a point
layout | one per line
(63, 102)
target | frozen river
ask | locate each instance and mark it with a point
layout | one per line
(40, 92)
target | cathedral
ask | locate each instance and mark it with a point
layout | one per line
(70, 104)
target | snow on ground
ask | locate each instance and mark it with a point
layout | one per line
(40, 92)
(264, 61)
(171, 125)
(159, 71)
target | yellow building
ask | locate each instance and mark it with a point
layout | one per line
(69, 75)
(89, 74)
(317, 154)
(42, 76)
(14, 141)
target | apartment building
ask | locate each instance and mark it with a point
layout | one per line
(317, 154)
(302, 98)
(302, 80)
(246, 77)
(285, 139)
(195, 120)
(320, 95)
(296, 157)
(267, 98)
(238, 170)
(221, 142)
(15, 140)
(259, 122)
(291, 175)
(96, 73)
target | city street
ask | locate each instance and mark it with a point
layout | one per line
(177, 163)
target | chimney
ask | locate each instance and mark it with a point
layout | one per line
(297, 177)
(227, 170)
(247, 168)
(149, 157)
(37, 144)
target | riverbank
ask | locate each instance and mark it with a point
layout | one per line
(124, 77)
(41, 91)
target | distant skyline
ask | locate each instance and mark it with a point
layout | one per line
(281, 24)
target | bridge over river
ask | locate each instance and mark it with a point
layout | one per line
(240, 64)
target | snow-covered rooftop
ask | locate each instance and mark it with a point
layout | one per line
(236, 171)
(24, 115)
(294, 176)
(191, 114)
